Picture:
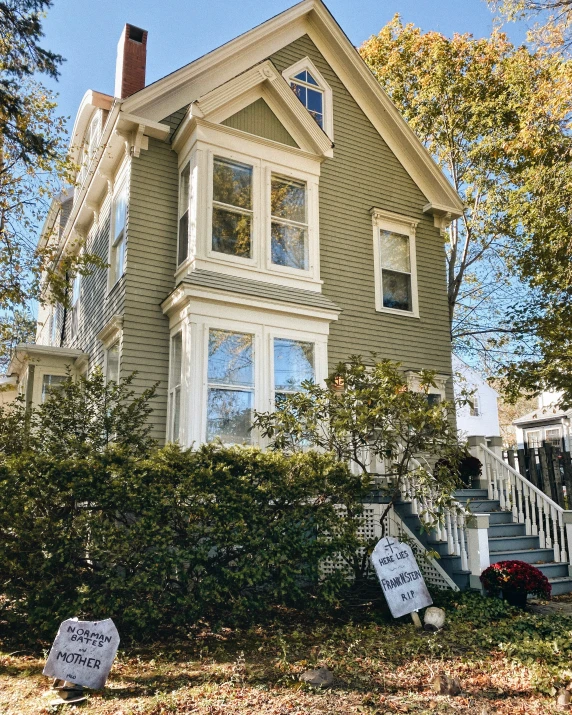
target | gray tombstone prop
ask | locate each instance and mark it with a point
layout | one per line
(400, 577)
(83, 652)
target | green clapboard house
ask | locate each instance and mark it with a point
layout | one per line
(264, 212)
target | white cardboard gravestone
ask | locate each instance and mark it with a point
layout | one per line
(83, 652)
(400, 577)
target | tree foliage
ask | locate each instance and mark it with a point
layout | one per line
(553, 29)
(21, 57)
(367, 416)
(95, 522)
(495, 118)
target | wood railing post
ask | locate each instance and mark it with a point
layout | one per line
(478, 548)
(476, 445)
(567, 520)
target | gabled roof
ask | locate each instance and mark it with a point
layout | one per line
(542, 415)
(312, 18)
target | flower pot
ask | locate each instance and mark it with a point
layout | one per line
(515, 598)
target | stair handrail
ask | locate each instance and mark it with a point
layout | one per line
(529, 505)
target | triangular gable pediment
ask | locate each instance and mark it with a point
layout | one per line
(257, 118)
(263, 81)
(312, 18)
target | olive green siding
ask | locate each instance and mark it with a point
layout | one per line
(96, 306)
(257, 118)
(364, 173)
(151, 263)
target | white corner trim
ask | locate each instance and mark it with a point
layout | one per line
(383, 220)
(111, 332)
(306, 64)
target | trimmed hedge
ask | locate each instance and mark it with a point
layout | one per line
(171, 537)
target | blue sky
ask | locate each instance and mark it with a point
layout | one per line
(86, 33)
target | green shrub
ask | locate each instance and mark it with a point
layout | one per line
(161, 538)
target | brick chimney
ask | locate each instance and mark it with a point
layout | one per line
(131, 61)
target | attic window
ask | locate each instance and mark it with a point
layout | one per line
(309, 93)
(313, 91)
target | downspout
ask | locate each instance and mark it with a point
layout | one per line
(64, 317)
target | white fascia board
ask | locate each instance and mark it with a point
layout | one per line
(308, 17)
(267, 77)
(25, 352)
(91, 100)
(185, 293)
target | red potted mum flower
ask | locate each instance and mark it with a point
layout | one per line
(515, 580)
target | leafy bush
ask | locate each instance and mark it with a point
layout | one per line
(516, 576)
(161, 537)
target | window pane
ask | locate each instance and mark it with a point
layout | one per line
(176, 358)
(315, 101)
(293, 363)
(433, 399)
(231, 233)
(288, 199)
(232, 183)
(51, 382)
(184, 189)
(176, 397)
(118, 260)
(112, 368)
(231, 358)
(302, 76)
(289, 246)
(76, 288)
(119, 215)
(183, 237)
(395, 251)
(397, 290)
(300, 92)
(229, 415)
(310, 79)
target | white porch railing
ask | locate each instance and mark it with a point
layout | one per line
(529, 505)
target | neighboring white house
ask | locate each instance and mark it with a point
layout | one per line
(479, 416)
(548, 423)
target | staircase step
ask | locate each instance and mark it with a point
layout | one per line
(471, 494)
(482, 506)
(512, 543)
(536, 557)
(499, 517)
(499, 530)
(561, 585)
(554, 569)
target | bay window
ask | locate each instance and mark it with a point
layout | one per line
(230, 398)
(184, 197)
(289, 223)
(293, 364)
(175, 381)
(232, 208)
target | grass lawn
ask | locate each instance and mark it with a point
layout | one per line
(506, 661)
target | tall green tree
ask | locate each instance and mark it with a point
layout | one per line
(495, 117)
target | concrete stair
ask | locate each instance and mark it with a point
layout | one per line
(507, 541)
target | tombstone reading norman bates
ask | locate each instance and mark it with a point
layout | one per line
(400, 577)
(83, 652)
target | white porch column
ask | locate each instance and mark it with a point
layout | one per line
(567, 519)
(476, 445)
(478, 547)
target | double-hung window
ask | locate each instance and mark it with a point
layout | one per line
(309, 92)
(474, 406)
(230, 398)
(394, 263)
(76, 292)
(50, 383)
(112, 363)
(232, 208)
(175, 387)
(289, 223)
(184, 197)
(294, 363)
(118, 224)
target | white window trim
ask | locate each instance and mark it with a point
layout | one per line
(119, 342)
(414, 383)
(120, 184)
(388, 221)
(109, 335)
(306, 64)
(200, 150)
(181, 328)
(194, 385)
